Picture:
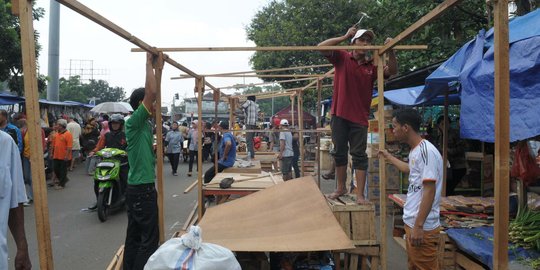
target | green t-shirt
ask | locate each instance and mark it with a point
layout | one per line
(142, 161)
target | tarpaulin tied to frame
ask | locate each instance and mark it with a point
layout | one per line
(290, 217)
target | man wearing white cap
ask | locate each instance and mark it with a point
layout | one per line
(354, 76)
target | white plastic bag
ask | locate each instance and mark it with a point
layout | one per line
(189, 253)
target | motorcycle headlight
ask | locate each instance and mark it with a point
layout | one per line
(104, 177)
(107, 154)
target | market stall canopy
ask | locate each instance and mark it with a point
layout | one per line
(409, 96)
(285, 113)
(7, 99)
(112, 107)
(289, 217)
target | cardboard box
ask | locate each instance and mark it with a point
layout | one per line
(373, 125)
(372, 150)
(373, 179)
(373, 165)
(389, 135)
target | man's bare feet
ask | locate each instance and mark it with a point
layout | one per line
(336, 194)
(362, 201)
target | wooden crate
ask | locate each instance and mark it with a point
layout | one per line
(357, 221)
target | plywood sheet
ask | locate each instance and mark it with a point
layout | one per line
(237, 167)
(293, 216)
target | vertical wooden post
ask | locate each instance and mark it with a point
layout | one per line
(216, 146)
(159, 153)
(31, 93)
(231, 113)
(502, 136)
(292, 110)
(199, 85)
(382, 161)
(318, 153)
(301, 133)
(445, 144)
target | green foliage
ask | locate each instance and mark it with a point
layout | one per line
(74, 90)
(265, 105)
(10, 52)
(309, 22)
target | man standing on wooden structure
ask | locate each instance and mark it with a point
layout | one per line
(227, 153)
(354, 76)
(142, 237)
(11, 203)
(251, 111)
(286, 153)
(421, 210)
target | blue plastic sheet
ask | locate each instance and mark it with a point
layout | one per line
(478, 242)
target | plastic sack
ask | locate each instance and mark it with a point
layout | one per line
(189, 253)
(524, 167)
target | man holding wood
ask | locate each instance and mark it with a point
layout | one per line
(421, 210)
(227, 153)
(354, 76)
(142, 235)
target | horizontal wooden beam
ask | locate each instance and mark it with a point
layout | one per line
(313, 76)
(436, 12)
(266, 70)
(282, 48)
(314, 82)
(263, 83)
(280, 93)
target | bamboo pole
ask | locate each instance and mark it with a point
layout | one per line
(300, 133)
(256, 84)
(318, 118)
(199, 85)
(266, 70)
(256, 76)
(31, 93)
(445, 145)
(283, 48)
(159, 151)
(502, 136)
(216, 146)
(382, 161)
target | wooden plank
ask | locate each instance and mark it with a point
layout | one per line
(190, 187)
(267, 70)
(190, 220)
(116, 258)
(467, 263)
(256, 168)
(159, 151)
(282, 48)
(255, 76)
(360, 226)
(502, 135)
(401, 242)
(364, 250)
(31, 94)
(364, 264)
(199, 87)
(436, 12)
(344, 220)
(15, 7)
(327, 74)
(301, 134)
(120, 263)
(382, 161)
(236, 86)
(354, 262)
(374, 263)
(318, 118)
(365, 242)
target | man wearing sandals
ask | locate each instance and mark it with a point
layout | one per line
(354, 76)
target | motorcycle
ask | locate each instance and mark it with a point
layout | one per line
(108, 175)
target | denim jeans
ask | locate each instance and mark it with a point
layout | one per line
(27, 174)
(142, 236)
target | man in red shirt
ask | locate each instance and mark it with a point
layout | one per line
(63, 142)
(354, 76)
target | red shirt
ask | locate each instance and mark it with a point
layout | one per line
(353, 87)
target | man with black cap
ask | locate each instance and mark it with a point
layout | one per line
(227, 153)
(354, 76)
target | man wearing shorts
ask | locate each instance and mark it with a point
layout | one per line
(354, 76)
(421, 210)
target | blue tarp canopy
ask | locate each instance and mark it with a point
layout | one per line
(478, 242)
(7, 99)
(409, 97)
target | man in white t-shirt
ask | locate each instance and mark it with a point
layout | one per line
(75, 129)
(286, 152)
(12, 197)
(421, 210)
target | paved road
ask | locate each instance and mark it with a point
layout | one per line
(81, 241)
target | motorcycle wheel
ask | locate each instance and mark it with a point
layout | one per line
(102, 208)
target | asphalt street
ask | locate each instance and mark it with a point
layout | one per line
(81, 241)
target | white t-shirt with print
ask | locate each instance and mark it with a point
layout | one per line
(425, 164)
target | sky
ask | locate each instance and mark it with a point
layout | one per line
(160, 23)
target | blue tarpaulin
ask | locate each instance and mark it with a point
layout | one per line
(409, 97)
(7, 99)
(478, 242)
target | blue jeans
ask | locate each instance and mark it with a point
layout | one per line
(27, 174)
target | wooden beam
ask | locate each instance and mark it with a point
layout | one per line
(255, 76)
(267, 70)
(301, 134)
(282, 48)
(445, 144)
(292, 109)
(159, 152)
(199, 85)
(318, 118)
(190, 187)
(382, 161)
(502, 135)
(31, 93)
(236, 86)
(314, 82)
(436, 12)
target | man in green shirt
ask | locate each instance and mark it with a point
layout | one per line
(142, 236)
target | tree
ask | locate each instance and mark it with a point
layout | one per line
(265, 105)
(10, 52)
(74, 90)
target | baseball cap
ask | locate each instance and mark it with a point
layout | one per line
(284, 122)
(362, 32)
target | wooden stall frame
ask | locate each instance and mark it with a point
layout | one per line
(283, 48)
(199, 87)
(265, 70)
(159, 150)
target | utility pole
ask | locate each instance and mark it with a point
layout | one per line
(54, 52)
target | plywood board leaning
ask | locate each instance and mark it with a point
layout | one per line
(264, 222)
